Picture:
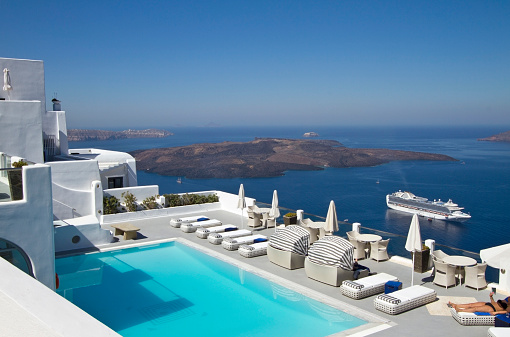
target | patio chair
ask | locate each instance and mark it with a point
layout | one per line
(322, 233)
(351, 234)
(470, 318)
(253, 250)
(288, 247)
(204, 232)
(475, 276)
(360, 251)
(192, 227)
(255, 221)
(330, 260)
(267, 221)
(235, 243)
(216, 238)
(367, 286)
(379, 250)
(404, 299)
(439, 255)
(444, 274)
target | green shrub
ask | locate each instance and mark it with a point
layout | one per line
(173, 200)
(19, 163)
(129, 201)
(150, 203)
(290, 215)
(110, 205)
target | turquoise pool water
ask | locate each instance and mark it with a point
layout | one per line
(172, 289)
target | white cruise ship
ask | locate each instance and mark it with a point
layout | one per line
(410, 203)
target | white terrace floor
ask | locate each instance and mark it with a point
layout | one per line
(430, 320)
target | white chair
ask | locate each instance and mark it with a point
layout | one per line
(360, 252)
(267, 221)
(475, 276)
(439, 255)
(255, 222)
(379, 250)
(352, 234)
(445, 274)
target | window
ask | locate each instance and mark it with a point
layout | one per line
(15, 255)
(115, 182)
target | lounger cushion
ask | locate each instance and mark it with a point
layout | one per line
(353, 284)
(405, 299)
(366, 286)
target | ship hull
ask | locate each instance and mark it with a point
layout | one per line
(413, 209)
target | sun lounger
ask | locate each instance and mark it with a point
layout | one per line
(469, 318)
(367, 286)
(192, 227)
(217, 238)
(405, 299)
(177, 222)
(498, 332)
(203, 232)
(234, 243)
(253, 250)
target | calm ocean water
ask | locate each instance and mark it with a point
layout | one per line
(479, 181)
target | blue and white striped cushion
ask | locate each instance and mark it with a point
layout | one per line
(353, 285)
(293, 239)
(332, 251)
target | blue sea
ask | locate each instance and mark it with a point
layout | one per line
(478, 181)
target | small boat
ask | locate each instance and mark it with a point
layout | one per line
(179, 181)
(377, 182)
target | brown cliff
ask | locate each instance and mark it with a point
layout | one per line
(74, 135)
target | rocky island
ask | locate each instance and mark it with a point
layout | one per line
(500, 137)
(75, 135)
(265, 157)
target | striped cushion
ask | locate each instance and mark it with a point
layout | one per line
(389, 299)
(332, 251)
(353, 285)
(293, 239)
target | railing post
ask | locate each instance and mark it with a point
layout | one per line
(356, 227)
(432, 245)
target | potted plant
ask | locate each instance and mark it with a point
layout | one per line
(16, 180)
(421, 260)
(290, 219)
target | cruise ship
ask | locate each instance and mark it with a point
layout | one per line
(437, 209)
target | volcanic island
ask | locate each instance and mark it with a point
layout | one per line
(265, 157)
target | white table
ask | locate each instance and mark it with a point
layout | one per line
(368, 237)
(459, 262)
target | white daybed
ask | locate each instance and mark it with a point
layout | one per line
(404, 299)
(253, 250)
(216, 238)
(177, 222)
(469, 318)
(204, 232)
(367, 286)
(288, 247)
(192, 227)
(235, 243)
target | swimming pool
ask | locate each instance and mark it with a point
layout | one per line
(172, 289)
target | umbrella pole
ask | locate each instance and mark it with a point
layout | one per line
(412, 271)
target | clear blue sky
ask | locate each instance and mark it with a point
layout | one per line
(167, 63)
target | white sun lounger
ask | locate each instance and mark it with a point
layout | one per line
(366, 286)
(469, 318)
(498, 332)
(216, 238)
(253, 250)
(192, 227)
(405, 299)
(234, 243)
(203, 232)
(177, 222)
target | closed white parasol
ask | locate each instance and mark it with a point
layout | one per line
(331, 224)
(7, 82)
(274, 212)
(241, 203)
(413, 243)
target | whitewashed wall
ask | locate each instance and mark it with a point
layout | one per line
(28, 223)
(27, 80)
